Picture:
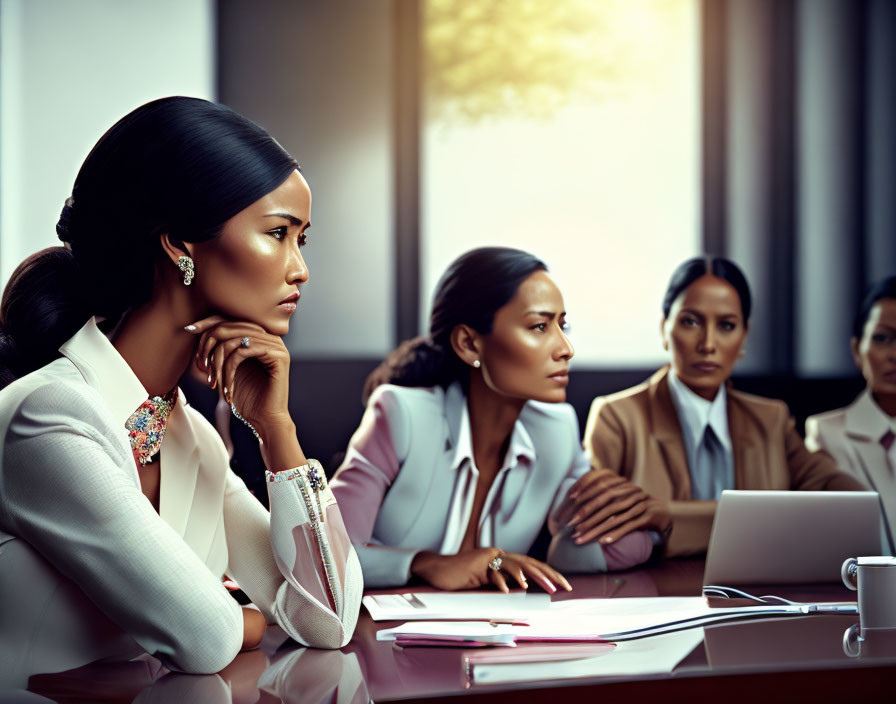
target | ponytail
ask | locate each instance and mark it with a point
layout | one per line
(181, 166)
(471, 291)
(43, 305)
(415, 362)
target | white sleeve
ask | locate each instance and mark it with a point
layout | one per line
(67, 488)
(275, 557)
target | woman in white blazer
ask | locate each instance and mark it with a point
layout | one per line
(467, 448)
(860, 437)
(119, 514)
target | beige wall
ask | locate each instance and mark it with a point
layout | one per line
(68, 71)
(317, 74)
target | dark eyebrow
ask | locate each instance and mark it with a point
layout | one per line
(286, 216)
(698, 314)
(545, 313)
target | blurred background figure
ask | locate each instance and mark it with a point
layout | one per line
(683, 436)
(861, 436)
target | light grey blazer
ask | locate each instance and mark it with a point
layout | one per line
(851, 435)
(397, 482)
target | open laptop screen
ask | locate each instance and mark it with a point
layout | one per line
(781, 537)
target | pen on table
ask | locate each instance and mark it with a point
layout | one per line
(507, 622)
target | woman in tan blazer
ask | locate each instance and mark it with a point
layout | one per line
(664, 450)
(862, 436)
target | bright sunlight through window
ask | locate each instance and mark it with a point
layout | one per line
(569, 128)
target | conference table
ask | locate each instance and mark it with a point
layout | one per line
(804, 658)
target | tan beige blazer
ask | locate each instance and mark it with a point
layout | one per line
(636, 433)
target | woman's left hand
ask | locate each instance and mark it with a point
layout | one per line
(255, 377)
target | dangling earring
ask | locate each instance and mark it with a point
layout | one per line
(185, 264)
(476, 363)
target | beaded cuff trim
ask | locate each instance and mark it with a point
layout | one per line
(311, 481)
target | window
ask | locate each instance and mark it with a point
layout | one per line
(569, 129)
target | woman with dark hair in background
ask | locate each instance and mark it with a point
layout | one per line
(664, 450)
(860, 437)
(182, 246)
(466, 447)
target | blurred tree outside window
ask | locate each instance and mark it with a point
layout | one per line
(569, 128)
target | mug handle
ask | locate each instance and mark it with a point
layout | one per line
(851, 639)
(848, 573)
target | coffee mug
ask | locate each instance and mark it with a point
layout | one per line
(875, 580)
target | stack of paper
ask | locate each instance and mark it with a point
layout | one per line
(504, 621)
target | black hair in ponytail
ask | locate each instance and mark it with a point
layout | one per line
(474, 287)
(178, 165)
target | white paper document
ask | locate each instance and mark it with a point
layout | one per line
(467, 606)
(655, 655)
(573, 620)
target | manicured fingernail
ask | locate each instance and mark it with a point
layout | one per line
(579, 540)
(225, 392)
(209, 377)
(604, 541)
(573, 494)
(575, 535)
(575, 519)
(190, 328)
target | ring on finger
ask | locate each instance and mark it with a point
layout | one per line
(244, 343)
(495, 563)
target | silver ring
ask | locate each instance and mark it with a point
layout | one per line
(244, 343)
(496, 563)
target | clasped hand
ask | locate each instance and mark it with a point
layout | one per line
(254, 378)
(602, 505)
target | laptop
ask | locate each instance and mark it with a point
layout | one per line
(786, 537)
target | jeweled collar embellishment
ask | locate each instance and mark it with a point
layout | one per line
(146, 426)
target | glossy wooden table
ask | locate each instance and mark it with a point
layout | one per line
(796, 658)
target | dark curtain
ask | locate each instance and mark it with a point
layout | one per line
(799, 106)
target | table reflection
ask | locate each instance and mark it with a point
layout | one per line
(292, 674)
(281, 671)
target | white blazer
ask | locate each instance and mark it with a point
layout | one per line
(88, 569)
(851, 435)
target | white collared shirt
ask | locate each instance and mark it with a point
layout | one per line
(520, 449)
(695, 413)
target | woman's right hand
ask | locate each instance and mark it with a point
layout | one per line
(470, 569)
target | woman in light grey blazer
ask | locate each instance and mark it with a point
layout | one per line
(467, 448)
(862, 436)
